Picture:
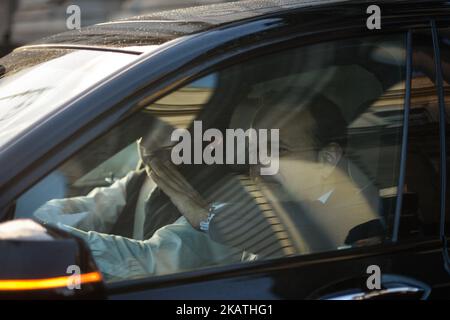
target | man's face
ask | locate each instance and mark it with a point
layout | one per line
(303, 171)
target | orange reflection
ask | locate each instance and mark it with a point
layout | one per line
(49, 283)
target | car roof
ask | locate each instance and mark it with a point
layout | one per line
(141, 33)
(160, 27)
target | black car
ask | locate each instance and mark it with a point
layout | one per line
(121, 175)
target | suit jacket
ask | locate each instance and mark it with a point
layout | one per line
(159, 210)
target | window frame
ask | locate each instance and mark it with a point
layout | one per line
(443, 144)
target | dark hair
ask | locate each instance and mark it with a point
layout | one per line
(329, 124)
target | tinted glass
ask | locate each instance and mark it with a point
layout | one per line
(288, 154)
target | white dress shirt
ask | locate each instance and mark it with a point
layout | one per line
(173, 248)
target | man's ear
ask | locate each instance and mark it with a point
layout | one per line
(329, 157)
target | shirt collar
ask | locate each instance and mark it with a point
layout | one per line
(324, 198)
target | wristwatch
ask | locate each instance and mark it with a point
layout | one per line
(214, 208)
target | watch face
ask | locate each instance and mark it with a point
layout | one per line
(214, 208)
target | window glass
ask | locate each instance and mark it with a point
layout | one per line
(291, 153)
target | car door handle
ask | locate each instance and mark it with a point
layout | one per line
(393, 287)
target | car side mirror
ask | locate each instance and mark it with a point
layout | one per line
(43, 262)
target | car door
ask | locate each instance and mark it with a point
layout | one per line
(409, 263)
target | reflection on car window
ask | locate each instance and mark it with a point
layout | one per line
(37, 81)
(114, 168)
(333, 112)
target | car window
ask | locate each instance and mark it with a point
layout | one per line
(291, 153)
(110, 170)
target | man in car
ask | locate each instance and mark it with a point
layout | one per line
(312, 169)
(328, 199)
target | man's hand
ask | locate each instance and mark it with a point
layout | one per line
(188, 201)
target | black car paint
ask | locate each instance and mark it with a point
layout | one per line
(49, 143)
(22, 259)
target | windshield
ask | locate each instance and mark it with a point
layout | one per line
(35, 82)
